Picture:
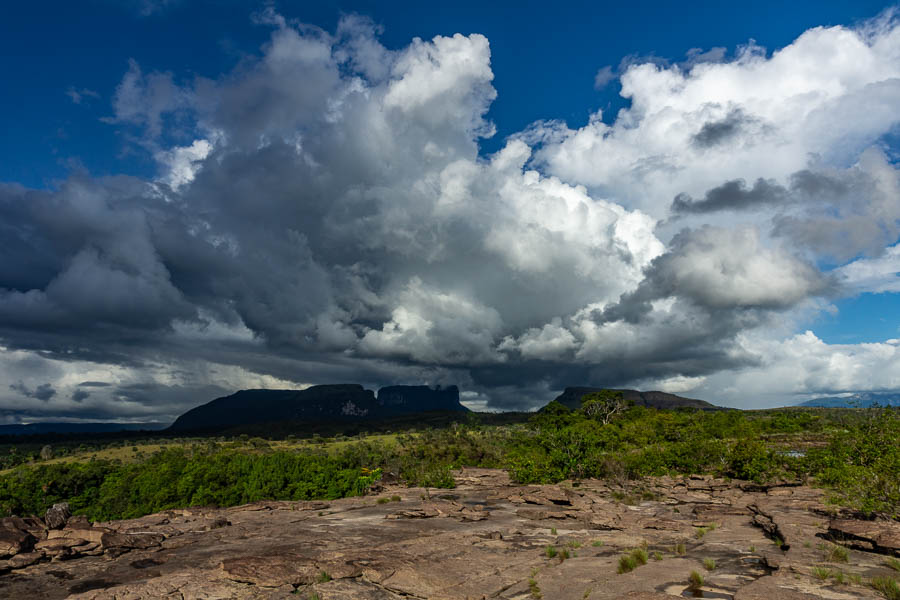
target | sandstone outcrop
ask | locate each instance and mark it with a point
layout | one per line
(484, 539)
(879, 536)
(57, 515)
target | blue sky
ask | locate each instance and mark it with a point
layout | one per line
(544, 60)
(200, 196)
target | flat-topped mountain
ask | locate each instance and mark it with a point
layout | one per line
(337, 402)
(571, 398)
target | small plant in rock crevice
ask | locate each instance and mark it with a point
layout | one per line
(835, 553)
(695, 580)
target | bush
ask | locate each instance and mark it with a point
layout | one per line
(174, 478)
(695, 580)
(627, 564)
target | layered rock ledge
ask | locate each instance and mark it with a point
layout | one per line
(485, 539)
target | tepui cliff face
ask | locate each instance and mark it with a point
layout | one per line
(318, 403)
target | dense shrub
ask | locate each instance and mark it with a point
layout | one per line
(176, 477)
(859, 460)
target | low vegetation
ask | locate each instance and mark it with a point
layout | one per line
(855, 453)
(887, 586)
(834, 553)
(695, 580)
(632, 560)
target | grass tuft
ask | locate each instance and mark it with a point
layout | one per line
(550, 551)
(834, 553)
(640, 556)
(887, 586)
(695, 580)
(627, 564)
(709, 564)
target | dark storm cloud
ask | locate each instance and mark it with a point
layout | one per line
(839, 214)
(80, 395)
(843, 214)
(714, 133)
(714, 283)
(804, 186)
(723, 269)
(136, 403)
(733, 195)
(42, 392)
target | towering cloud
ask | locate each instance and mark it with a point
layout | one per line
(322, 213)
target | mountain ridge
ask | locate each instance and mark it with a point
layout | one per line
(42, 428)
(571, 398)
(860, 400)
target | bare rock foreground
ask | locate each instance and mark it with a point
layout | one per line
(484, 539)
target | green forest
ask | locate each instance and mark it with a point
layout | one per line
(854, 453)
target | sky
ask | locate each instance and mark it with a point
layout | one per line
(198, 197)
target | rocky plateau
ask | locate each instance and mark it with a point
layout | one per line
(487, 538)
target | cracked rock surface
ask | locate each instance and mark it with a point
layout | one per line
(485, 539)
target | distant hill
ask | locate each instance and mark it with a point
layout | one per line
(44, 428)
(571, 398)
(320, 403)
(861, 400)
